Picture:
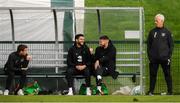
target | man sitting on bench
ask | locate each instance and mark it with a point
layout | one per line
(78, 62)
(105, 60)
(17, 64)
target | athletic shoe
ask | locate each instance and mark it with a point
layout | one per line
(20, 92)
(6, 92)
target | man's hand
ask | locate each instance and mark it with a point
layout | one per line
(29, 58)
(169, 61)
(96, 65)
(83, 67)
(91, 50)
(80, 67)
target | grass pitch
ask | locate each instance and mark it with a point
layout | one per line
(92, 99)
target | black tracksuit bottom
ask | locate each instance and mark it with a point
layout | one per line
(73, 71)
(11, 74)
(101, 71)
(104, 71)
(153, 66)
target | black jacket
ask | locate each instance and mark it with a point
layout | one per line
(159, 44)
(78, 56)
(16, 62)
(106, 57)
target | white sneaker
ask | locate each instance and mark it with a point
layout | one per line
(6, 92)
(20, 92)
(70, 93)
(88, 91)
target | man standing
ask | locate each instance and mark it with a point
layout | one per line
(105, 60)
(17, 63)
(159, 48)
(78, 62)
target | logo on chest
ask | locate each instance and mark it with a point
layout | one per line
(163, 34)
(79, 58)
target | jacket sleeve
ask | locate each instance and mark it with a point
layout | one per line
(70, 62)
(149, 43)
(89, 58)
(25, 63)
(11, 63)
(171, 44)
(110, 55)
(96, 55)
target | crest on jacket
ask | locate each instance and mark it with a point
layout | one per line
(163, 34)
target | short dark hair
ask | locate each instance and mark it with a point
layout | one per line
(104, 37)
(21, 47)
(78, 35)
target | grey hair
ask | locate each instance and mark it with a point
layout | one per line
(161, 16)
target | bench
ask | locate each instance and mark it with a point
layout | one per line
(60, 69)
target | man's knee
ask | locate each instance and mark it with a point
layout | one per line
(69, 72)
(10, 74)
(24, 73)
(153, 72)
(99, 71)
